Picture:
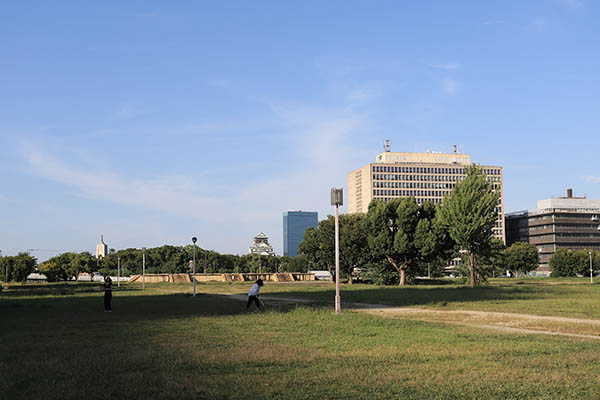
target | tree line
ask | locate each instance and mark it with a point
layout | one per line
(398, 240)
(165, 259)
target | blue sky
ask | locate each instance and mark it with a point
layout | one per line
(152, 122)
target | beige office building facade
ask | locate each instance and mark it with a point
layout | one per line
(425, 176)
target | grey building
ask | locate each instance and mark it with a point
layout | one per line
(295, 223)
(558, 223)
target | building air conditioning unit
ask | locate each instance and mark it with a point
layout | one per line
(594, 218)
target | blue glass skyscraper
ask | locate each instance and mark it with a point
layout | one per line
(295, 223)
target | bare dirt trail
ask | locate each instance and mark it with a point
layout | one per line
(487, 320)
(504, 322)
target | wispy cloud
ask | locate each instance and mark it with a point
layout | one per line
(493, 22)
(448, 66)
(451, 86)
(592, 179)
(132, 110)
(221, 83)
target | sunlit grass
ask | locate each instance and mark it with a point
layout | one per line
(161, 343)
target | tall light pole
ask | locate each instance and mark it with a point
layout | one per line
(143, 267)
(337, 199)
(205, 260)
(118, 271)
(194, 271)
(591, 269)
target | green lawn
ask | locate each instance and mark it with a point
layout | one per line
(553, 297)
(57, 343)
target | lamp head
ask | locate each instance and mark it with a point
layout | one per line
(194, 239)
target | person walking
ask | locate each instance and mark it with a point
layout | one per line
(253, 294)
(107, 294)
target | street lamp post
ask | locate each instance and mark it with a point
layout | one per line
(143, 267)
(194, 271)
(337, 199)
(591, 268)
(118, 271)
(205, 260)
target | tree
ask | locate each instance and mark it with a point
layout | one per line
(353, 243)
(319, 246)
(521, 257)
(565, 262)
(79, 263)
(53, 271)
(23, 264)
(469, 214)
(402, 232)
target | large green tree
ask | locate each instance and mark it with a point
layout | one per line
(404, 234)
(469, 214)
(520, 257)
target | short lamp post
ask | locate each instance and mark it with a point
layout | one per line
(591, 268)
(337, 199)
(143, 268)
(118, 271)
(194, 239)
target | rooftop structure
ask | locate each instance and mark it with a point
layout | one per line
(261, 246)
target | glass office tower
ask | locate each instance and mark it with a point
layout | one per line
(295, 223)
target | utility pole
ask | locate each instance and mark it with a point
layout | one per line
(337, 199)
(194, 239)
(143, 267)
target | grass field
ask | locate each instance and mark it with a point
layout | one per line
(57, 343)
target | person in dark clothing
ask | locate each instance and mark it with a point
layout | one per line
(253, 294)
(107, 294)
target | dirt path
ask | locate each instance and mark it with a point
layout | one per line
(487, 320)
(504, 322)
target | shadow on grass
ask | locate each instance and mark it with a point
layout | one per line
(129, 304)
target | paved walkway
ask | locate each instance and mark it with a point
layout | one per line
(488, 320)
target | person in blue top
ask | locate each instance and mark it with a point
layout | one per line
(253, 294)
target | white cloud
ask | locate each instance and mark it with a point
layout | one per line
(320, 140)
(451, 86)
(448, 66)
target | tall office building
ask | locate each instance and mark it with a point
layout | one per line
(101, 248)
(295, 223)
(558, 223)
(425, 176)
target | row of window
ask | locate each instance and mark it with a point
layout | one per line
(429, 170)
(418, 200)
(414, 193)
(430, 178)
(412, 185)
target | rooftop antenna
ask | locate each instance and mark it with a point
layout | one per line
(387, 147)
(461, 149)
